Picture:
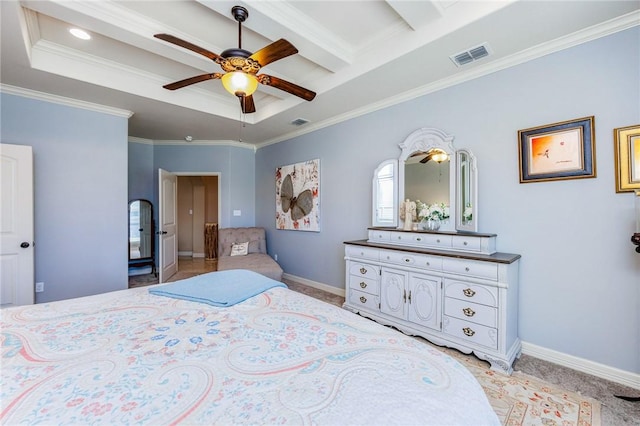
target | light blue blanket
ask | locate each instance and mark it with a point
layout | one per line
(222, 288)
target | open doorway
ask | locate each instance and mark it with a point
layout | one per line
(197, 204)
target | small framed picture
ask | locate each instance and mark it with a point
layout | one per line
(627, 158)
(558, 151)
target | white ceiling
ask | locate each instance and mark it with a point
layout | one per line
(357, 56)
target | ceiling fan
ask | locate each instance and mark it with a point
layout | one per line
(241, 66)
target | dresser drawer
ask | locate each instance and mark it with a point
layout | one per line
(362, 283)
(362, 252)
(474, 293)
(471, 332)
(433, 263)
(379, 236)
(465, 243)
(364, 300)
(398, 257)
(364, 270)
(468, 311)
(471, 268)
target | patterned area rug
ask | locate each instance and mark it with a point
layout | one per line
(521, 399)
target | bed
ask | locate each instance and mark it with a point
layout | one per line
(279, 357)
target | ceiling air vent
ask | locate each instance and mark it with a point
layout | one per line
(473, 54)
(299, 121)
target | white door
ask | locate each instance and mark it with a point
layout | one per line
(167, 218)
(16, 226)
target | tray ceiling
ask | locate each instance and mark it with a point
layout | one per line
(357, 56)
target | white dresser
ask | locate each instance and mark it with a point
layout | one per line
(451, 288)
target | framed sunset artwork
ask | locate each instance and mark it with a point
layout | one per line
(627, 158)
(558, 151)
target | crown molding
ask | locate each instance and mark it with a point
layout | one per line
(133, 139)
(203, 142)
(61, 100)
(586, 35)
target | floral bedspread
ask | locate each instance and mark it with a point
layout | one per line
(279, 357)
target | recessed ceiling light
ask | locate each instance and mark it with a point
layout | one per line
(82, 34)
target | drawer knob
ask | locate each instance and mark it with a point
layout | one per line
(465, 243)
(363, 284)
(363, 271)
(418, 239)
(438, 240)
(468, 292)
(428, 264)
(399, 237)
(466, 269)
(406, 259)
(468, 332)
(468, 312)
(363, 299)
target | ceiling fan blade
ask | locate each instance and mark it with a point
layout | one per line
(273, 52)
(294, 89)
(425, 159)
(247, 104)
(187, 45)
(192, 80)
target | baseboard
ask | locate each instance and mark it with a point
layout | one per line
(602, 371)
(185, 253)
(320, 286)
(198, 255)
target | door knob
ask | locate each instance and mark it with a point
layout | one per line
(24, 245)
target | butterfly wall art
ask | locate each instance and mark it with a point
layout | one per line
(298, 196)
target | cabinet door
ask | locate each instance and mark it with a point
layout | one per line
(424, 300)
(393, 293)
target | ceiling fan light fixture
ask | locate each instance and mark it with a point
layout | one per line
(239, 83)
(439, 156)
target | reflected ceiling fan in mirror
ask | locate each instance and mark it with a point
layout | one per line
(435, 154)
(241, 66)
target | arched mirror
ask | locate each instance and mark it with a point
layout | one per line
(385, 194)
(141, 234)
(467, 191)
(438, 181)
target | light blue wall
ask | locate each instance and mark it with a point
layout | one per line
(579, 274)
(141, 173)
(237, 175)
(80, 194)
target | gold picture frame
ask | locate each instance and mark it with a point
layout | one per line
(559, 151)
(626, 143)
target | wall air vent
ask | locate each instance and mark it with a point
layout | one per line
(471, 55)
(299, 121)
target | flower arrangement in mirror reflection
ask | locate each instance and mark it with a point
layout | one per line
(467, 214)
(436, 211)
